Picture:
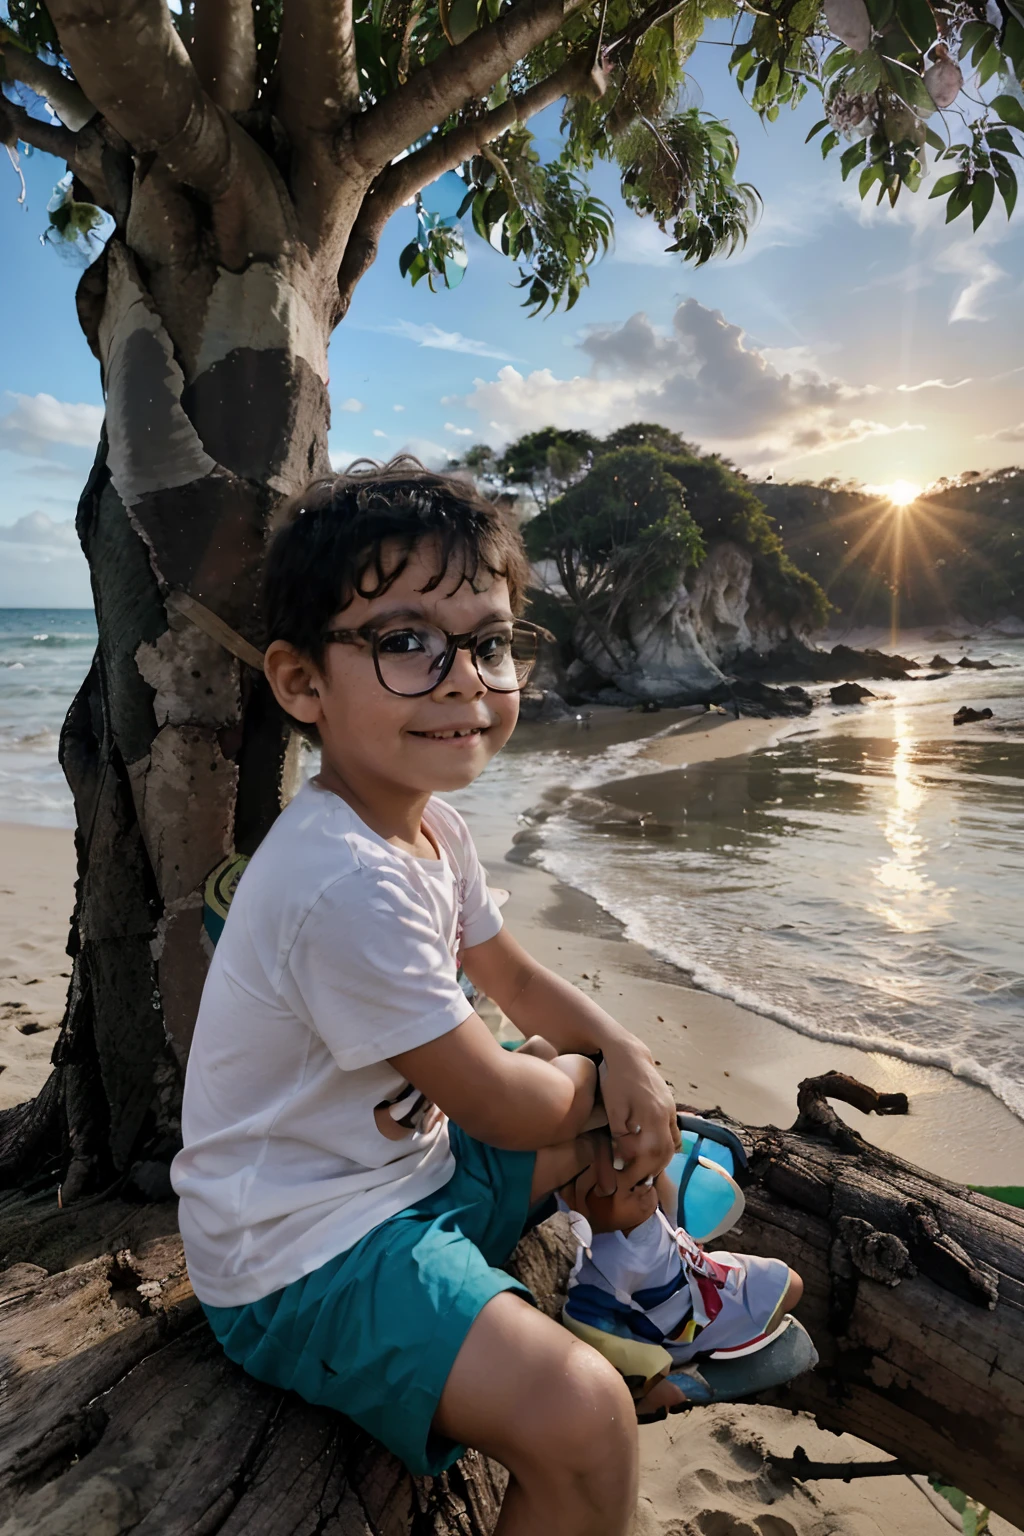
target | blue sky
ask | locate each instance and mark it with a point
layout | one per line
(868, 344)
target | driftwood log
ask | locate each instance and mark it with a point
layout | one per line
(118, 1412)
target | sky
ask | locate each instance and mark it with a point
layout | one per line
(848, 340)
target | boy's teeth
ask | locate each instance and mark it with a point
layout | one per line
(447, 735)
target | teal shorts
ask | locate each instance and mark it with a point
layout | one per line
(374, 1332)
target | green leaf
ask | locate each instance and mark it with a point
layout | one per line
(868, 176)
(408, 256)
(983, 191)
(959, 199)
(837, 59)
(829, 143)
(816, 129)
(1013, 44)
(933, 140)
(972, 35)
(990, 62)
(1006, 181)
(853, 156)
(918, 21)
(1001, 138)
(1010, 110)
(946, 184)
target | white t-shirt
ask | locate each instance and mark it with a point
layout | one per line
(339, 951)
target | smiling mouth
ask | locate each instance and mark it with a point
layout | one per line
(451, 735)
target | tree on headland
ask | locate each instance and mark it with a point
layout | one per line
(641, 518)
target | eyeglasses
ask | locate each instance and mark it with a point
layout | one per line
(412, 657)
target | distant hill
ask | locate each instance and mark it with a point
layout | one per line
(957, 552)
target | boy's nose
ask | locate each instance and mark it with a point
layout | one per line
(463, 680)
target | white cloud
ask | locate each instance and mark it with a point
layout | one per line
(39, 537)
(432, 455)
(450, 426)
(700, 378)
(352, 404)
(432, 336)
(1004, 435)
(42, 565)
(912, 389)
(341, 458)
(38, 423)
(378, 433)
(398, 407)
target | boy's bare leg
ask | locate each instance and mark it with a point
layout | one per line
(552, 1411)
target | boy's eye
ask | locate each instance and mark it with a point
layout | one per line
(403, 642)
(494, 648)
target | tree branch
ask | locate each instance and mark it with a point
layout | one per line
(316, 65)
(317, 88)
(223, 51)
(459, 75)
(66, 98)
(405, 178)
(131, 62)
(16, 123)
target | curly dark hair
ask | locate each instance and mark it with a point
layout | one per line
(329, 546)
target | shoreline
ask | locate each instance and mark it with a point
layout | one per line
(716, 1053)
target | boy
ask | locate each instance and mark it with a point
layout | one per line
(342, 1236)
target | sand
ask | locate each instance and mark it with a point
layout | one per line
(37, 878)
(703, 1474)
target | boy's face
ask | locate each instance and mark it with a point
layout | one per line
(368, 733)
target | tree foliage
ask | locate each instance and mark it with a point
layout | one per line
(640, 514)
(621, 534)
(957, 553)
(899, 80)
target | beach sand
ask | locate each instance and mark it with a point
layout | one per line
(703, 1474)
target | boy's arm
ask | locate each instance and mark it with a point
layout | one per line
(500, 1097)
(540, 1003)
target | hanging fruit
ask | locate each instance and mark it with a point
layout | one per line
(849, 21)
(943, 79)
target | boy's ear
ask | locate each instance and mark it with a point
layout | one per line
(293, 680)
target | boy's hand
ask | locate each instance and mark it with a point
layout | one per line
(640, 1107)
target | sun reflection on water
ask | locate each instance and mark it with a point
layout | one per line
(913, 902)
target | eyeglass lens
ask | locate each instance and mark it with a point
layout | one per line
(410, 657)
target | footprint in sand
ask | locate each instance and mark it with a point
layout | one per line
(718, 1522)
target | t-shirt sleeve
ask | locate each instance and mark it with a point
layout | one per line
(371, 972)
(480, 918)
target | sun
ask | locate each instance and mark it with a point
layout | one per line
(901, 492)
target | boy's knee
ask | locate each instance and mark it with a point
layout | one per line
(795, 1291)
(588, 1429)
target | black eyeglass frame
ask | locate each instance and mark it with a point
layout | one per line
(454, 643)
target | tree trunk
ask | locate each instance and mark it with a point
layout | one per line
(122, 1415)
(175, 753)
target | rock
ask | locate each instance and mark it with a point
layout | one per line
(1008, 628)
(966, 716)
(977, 666)
(749, 697)
(794, 660)
(940, 661)
(543, 705)
(850, 693)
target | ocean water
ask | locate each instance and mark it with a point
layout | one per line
(44, 655)
(861, 880)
